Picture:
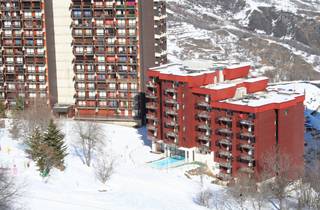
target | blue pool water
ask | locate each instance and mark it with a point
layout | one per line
(168, 162)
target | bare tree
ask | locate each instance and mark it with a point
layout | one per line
(204, 197)
(282, 174)
(90, 138)
(308, 189)
(104, 167)
(8, 191)
(247, 189)
(36, 114)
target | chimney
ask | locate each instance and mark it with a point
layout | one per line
(221, 76)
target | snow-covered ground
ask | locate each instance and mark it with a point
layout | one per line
(134, 185)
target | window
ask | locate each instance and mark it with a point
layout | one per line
(82, 103)
(101, 59)
(101, 68)
(91, 85)
(41, 68)
(123, 86)
(134, 86)
(81, 85)
(286, 112)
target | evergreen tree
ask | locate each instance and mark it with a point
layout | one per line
(2, 110)
(19, 104)
(34, 143)
(54, 139)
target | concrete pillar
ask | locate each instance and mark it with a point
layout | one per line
(63, 50)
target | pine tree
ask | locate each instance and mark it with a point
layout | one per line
(55, 140)
(34, 143)
(19, 104)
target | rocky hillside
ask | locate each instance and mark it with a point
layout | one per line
(280, 38)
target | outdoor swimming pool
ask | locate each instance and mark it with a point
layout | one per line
(168, 162)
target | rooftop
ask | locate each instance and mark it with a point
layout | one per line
(232, 83)
(270, 96)
(195, 67)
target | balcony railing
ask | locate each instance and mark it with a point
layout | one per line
(171, 123)
(172, 112)
(171, 101)
(225, 154)
(151, 127)
(204, 127)
(151, 117)
(225, 165)
(151, 105)
(225, 131)
(151, 96)
(247, 158)
(204, 115)
(204, 138)
(247, 122)
(246, 146)
(226, 142)
(203, 104)
(224, 119)
(151, 85)
(170, 90)
(247, 135)
(172, 134)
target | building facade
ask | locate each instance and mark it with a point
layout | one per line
(160, 32)
(23, 61)
(219, 116)
(112, 51)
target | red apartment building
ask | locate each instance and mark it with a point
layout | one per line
(23, 60)
(218, 115)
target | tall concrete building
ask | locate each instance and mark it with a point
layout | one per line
(160, 31)
(113, 46)
(23, 54)
(89, 57)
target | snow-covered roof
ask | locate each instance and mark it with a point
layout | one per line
(196, 67)
(186, 68)
(233, 83)
(264, 98)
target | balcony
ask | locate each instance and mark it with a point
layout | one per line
(151, 85)
(204, 115)
(172, 112)
(170, 90)
(151, 96)
(151, 127)
(171, 123)
(246, 146)
(247, 122)
(172, 134)
(224, 131)
(171, 101)
(226, 165)
(151, 105)
(224, 154)
(224, 119)
(225, 142)
(246, 158)
(151, 117)
(204, 138)
(247, 135)
(204, 127)
(203, 104)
